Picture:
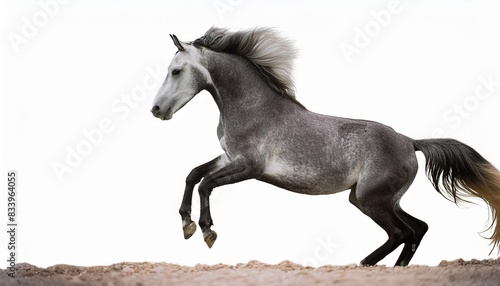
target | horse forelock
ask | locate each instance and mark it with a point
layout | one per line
(270, 52)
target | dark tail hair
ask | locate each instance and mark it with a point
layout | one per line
(458, 171)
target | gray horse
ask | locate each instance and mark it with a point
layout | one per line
(266, 134)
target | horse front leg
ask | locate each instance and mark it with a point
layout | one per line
(194, 177)
(234, 172)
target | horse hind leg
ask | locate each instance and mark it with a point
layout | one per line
(381, 204)
(419, 229)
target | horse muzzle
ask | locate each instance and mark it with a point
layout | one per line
(158, 113)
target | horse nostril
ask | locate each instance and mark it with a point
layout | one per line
(155, 109)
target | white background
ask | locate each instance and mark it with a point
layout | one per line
(80, 63)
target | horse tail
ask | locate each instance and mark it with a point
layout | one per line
(457, 171)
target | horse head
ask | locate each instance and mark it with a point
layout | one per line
(187, 76)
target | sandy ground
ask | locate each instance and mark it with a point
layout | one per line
(458, 272)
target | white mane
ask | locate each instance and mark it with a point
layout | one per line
(264, 47)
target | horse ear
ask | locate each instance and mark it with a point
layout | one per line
(177, 43)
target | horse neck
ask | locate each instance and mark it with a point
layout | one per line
(239, 88)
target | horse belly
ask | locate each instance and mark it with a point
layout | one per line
(318, 179)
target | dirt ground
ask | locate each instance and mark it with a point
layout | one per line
(458, 272)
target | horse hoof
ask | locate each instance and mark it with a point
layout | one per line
(189, 230)
(210, 238)
(363, 263)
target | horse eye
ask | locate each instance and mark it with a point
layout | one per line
(176, 71)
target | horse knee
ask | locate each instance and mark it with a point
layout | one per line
(205, 188)
(193, 178)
